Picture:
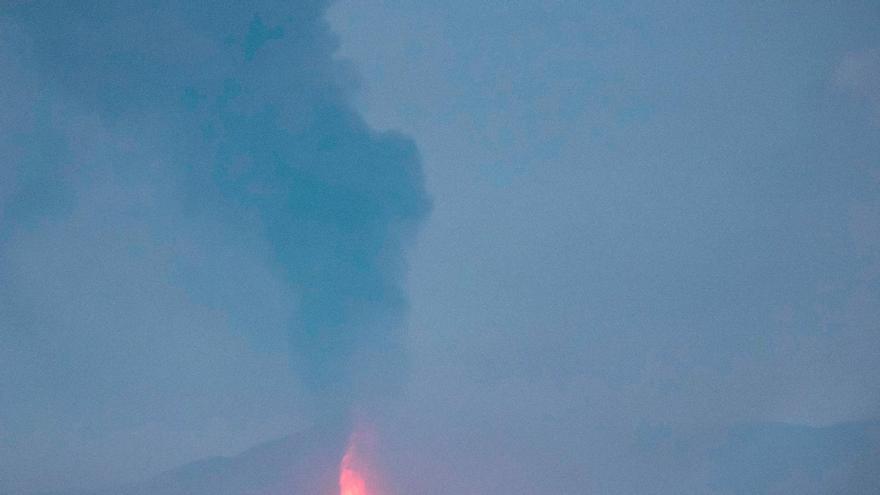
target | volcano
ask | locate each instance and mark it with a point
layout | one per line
(747, 458)
(306, 463)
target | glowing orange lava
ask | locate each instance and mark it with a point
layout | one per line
(351, 480)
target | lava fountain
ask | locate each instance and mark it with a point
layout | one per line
(352, 470)
(351, 482)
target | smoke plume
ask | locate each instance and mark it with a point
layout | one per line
(229, 123)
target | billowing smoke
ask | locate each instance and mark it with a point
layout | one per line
(233, 117)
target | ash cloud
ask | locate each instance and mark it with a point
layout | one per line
(191, 166)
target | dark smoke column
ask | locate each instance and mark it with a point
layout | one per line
(266, 145)
(336, 201)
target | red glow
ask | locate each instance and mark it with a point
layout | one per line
(351, 478)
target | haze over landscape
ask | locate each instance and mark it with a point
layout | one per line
(377, 247)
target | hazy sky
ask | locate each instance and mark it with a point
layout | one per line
(644, 214)
(642, 239)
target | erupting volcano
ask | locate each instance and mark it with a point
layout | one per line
(352, 474)
(351, 482)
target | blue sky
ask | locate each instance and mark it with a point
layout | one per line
(549, 247)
